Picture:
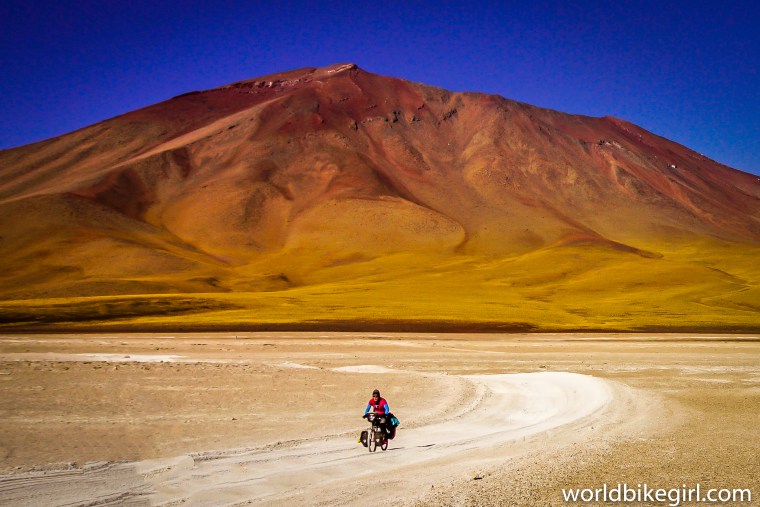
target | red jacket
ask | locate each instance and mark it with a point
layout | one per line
(380, 407)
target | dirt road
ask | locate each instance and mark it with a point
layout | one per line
(273, 420)
(505, 412)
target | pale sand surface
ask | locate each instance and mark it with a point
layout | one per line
(272, 418)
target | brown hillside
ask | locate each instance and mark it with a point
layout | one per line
(339, 176)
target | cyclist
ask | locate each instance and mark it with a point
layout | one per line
(378, 404)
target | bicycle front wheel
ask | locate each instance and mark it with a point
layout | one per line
(371, 442)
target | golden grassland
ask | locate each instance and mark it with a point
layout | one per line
(686, 287)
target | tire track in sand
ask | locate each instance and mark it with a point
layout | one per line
(508, 414)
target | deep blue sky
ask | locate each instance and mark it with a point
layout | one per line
(687, 71)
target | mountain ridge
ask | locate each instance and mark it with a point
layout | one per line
(273, 183)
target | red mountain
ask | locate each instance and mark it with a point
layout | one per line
(281, 182)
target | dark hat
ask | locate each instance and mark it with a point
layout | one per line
(375, 392)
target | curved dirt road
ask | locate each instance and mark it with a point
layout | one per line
(510, 415)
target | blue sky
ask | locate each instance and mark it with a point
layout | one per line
(687, 70)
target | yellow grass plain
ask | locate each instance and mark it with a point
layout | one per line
(708, 287)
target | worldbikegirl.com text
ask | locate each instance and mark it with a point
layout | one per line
(644, 494)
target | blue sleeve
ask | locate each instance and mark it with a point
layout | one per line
(367, 410)
(387, 408)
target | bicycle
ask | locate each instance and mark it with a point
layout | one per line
(376, 434)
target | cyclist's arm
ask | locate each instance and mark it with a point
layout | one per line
(367, 409)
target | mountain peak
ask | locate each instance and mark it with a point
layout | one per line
(340, 67)
(289, 178)
(303, 75)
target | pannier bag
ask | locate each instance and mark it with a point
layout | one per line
(394, 424)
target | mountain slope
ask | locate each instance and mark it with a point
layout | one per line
(405, 197)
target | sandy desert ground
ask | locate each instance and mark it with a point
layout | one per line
(273, 418)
